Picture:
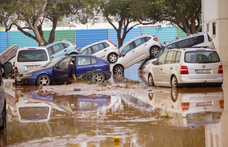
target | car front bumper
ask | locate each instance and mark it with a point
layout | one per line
(25, 81)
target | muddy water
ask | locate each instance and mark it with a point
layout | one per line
(195, 117)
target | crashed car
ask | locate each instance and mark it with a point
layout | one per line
(58, 70)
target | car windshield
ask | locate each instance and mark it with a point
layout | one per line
(201, 57)
(52, 62)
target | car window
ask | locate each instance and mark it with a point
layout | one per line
(139, 41)
(64, 63)
(94, 61)
(58, 47)
(128, 48)
(184, 43)
(178, 56)
(201, 57)
(83, 60)
(97, 47)
(170, 57)
(87, 51)
(161, 58)
(65, 45)
(164, 48)
(197, 40)
(106, 44)
(146, 39)
(32, 55)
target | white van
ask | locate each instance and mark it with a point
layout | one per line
(30, 58)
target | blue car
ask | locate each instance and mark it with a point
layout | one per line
(58, 70)
(61, 48)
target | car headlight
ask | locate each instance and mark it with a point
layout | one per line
(26, 75)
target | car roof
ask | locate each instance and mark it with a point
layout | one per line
(27, 48)
(83, 48)
(58, 42)
(192, 49)
(144, 35)
(182, 38)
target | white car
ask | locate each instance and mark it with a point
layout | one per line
(136, 50)
(187, 67)
(104, 49)
(30, 58)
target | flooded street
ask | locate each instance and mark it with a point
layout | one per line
(184, 117)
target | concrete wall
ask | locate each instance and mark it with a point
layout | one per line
(216, 11)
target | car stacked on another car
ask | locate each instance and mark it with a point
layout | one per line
(57, 70)
(61, 48)
(104, 49)
(186, 67)
(136, 50)
(201, 39)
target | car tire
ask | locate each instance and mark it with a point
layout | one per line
(112, 58)
(43, 80)
(98, 77)
(118, 70)
(150, 80)
(154, 50)
(174, 82)
(174, 94)
(3, 124)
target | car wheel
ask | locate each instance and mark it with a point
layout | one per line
(112, 58)
(43, 80)
(174, 94)
(3, 124)
(118, 70)
(150, 80)
(154, 50)
(174, 82)
(98, 77)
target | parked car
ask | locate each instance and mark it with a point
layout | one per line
(9, 54)
(136, 50)
(2, 102)
(104, 49)
(201, 39)
(186, 67)
(30, 58)
(61, 48)
(57, 70)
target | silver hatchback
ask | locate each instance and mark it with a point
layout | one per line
(187, 67)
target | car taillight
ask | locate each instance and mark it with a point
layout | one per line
(184, 70)
(209, 38)
(185, 106)
(220, 70)
(221, 103)
(15, 70)
(155, 39)
(74, 45)
(112, 43)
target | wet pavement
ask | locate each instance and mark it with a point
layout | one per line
(193, 117)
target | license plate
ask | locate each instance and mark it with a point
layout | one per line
(32, 66)
(208, 103)
(203, 71)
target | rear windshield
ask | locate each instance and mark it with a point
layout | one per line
(35, 55)
(201, 57)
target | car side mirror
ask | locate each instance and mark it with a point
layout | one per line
(8, 69)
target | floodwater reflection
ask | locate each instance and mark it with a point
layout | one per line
(170, 117)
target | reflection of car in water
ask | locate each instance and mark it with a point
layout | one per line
(189, 106)
(80, 102)
(32, 111)
(137, 102)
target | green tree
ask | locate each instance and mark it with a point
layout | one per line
(185, 14)
(122, 15)
(30, 15)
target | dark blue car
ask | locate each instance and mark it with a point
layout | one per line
(58, 70)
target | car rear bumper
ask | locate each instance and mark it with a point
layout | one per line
(203, 84)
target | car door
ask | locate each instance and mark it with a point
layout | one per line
(85, 64)
(168, 67)
(157, 69)
(99, 50)
(61, 70)
(129, 55)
